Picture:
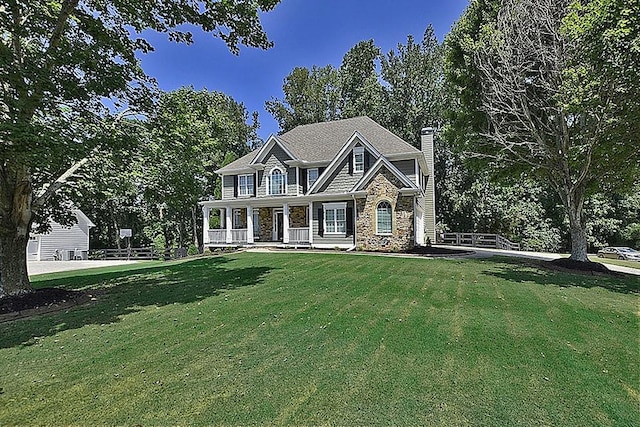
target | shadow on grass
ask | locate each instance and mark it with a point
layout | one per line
(122, 292)
(540, 272)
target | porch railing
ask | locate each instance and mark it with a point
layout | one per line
(299, 235)
(239, 235)
(218, 236)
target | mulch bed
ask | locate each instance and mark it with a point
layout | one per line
(589, 267)
(40, 301)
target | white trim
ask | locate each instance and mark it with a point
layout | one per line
(249, 224)
(285, 223)
(311, 222)
(274, 229)
(394, 170)
(297, 180)
(228, 223)
(206, 212)
(378, 232)
(356, 151)
(334, 206)
(283, 173)
(252, 187)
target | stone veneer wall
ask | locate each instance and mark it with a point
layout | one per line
(385, 187)
(298, 216)
(265, 218)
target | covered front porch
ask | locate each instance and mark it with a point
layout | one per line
(284, 224)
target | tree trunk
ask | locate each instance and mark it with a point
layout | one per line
(574, 202)
(13, 265)
(15, 224)
(194, 221)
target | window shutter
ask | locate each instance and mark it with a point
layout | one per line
(320, 222)
(235, 185)
(351, 163)
(349, 221)
(255, 184)
(303, 180)
(367, 160)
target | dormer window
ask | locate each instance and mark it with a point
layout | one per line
(277, 182)
(358, 159)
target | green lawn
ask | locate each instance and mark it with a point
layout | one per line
(331, 339)
(630, 264)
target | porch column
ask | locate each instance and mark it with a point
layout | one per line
(229, 223)
(249, 224)
(310, 221)
(205, 224)
(285, 223)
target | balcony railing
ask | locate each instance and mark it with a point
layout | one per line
(299, 235)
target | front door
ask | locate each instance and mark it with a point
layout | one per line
(277, 226)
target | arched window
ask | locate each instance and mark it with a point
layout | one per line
(277, 182)
(383, 218)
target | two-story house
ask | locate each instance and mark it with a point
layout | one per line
(347, 184)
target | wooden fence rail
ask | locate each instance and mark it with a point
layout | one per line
(479, 240)
(138, 253)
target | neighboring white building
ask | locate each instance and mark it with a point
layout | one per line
(62, 243)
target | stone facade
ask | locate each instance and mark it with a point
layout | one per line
(298, 217)
(384, 187)
(265, 218)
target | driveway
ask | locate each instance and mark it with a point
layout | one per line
(42, 267)
(546, 256)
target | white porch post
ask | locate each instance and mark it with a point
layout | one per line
(249, 224)
(229, 223)
(205, 224)
(310, 221)
(285, 223)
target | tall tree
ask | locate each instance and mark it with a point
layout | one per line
(360, 86)
(542, 90)
(310, 96)
(58, 60)
(191, 133)
(413, 77)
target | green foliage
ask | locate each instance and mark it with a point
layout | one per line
(404, 96)
(549, 88)
(413, 87)
(192, 250)
(311, 96)
(361, 91)
(153, 187)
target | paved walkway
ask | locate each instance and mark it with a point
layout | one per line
(477, 253)
(41, 267)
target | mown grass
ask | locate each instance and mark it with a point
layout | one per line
(623, 263)
(332, 339)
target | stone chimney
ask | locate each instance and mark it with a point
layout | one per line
(426, 142)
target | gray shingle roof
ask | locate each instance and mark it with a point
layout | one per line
(321, 141)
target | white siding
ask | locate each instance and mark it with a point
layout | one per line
(64, 239)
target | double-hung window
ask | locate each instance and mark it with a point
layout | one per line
(358, 159)
(383, 218)
(277, 182)
(237, 218)
(335, 218)
(245, 185)
(312, 176)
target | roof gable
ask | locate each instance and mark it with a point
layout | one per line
(337, 160)
(377, 166)
(266, 149)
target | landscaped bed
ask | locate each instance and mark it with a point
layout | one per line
(336, 339)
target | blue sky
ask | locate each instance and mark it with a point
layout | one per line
(305, 33)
